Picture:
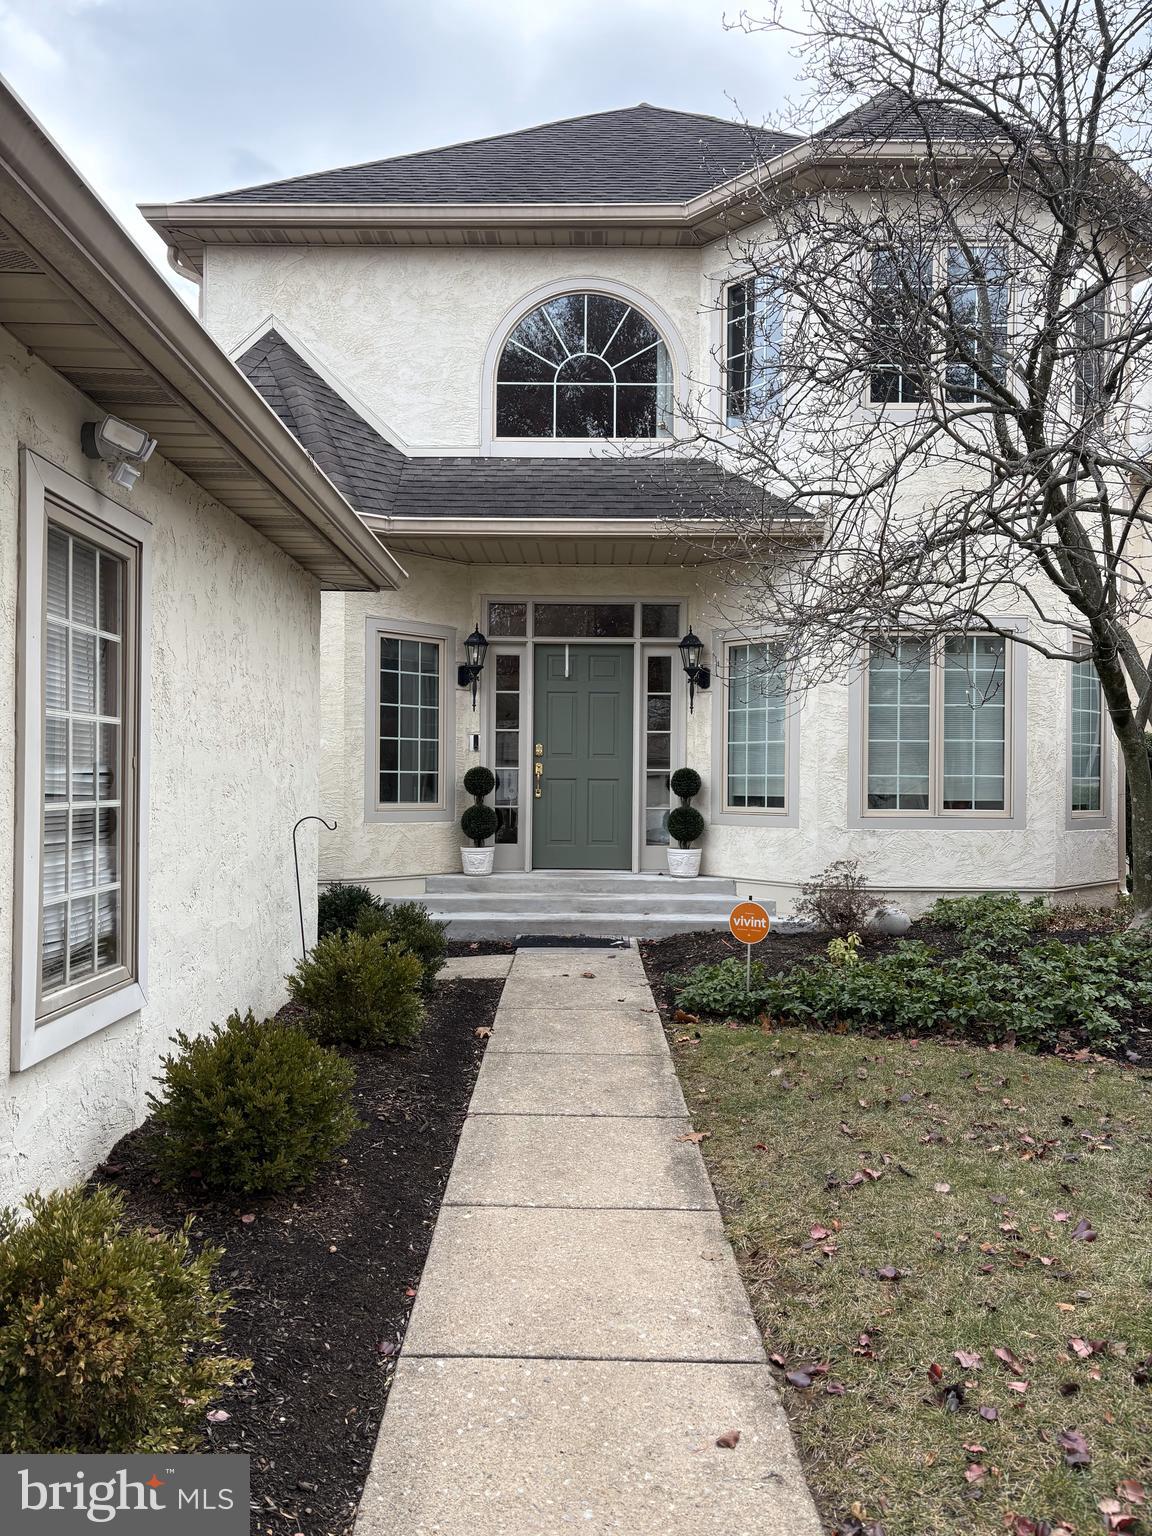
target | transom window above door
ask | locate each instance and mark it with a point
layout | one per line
(557, 619)
(584, 365)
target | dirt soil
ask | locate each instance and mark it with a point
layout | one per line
(323, 1284)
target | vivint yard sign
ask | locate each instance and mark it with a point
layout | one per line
(145, 1495)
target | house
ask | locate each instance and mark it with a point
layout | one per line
(482, 345)
(160, 673)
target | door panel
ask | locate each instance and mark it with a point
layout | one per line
(583, 818)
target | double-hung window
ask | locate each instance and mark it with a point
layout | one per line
(752, 332)
(1086, 732)
(82, 727)
(978, 296)
(756, 725)
(899, 339)
(1090, 358)
(936, 728)
(409, 721)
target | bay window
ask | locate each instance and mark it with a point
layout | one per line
(899, 344)
(936, 731)
(1086, 742)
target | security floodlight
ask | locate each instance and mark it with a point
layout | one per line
(120, 443)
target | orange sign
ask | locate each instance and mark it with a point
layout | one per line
(749, 922)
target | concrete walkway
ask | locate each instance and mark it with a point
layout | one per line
(581, 1338)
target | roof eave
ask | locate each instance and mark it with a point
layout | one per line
(84, 250)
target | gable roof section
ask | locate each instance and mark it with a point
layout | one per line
(380, 481)
(640, 154)
(896, 115)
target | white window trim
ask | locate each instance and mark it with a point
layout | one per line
(1014, 816)
(577, 447)
(1087, 821)
(445, 638)
(42, 483)
(720, 813)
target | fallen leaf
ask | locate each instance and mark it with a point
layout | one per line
(1131, 1490)
(1007, 1358)
(974, 1473)
(942, 1189)
(248, 1219)
(729, 1440)
(482, 1032)
(1018, 1386)
(1075, 1448)
(588, 975)
(989, 1414)
(798, 1378)
(680, 1017)
(890, 1272)
(1082, 1232)
(695, 1137)
(936, 1372)
(1080, 1347)
(968, 1359)
(218, 1416)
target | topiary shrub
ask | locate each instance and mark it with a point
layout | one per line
(359, 991)
(685, 825)
(685, 783)
(339, 906)
(411, 925)
(254, 1108)
(479, 822)
(104, 1330)
(479, 782)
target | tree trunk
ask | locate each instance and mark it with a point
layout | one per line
(1138, 768)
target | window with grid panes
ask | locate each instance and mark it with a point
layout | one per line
(507, 747)
(1087, 740)
(409, 721)
(756, 724)
(86, 767)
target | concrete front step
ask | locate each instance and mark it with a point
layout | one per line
(604, 925)
(593, 903)
(561, 884)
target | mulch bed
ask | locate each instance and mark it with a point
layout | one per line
(458, 947)
(323, 1284)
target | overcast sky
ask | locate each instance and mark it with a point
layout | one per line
(156, 100)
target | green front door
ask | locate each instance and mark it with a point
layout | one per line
(582, 816)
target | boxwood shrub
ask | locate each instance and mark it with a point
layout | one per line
(252, 1107)
(412, 926)
(105, 1331)
(340, 905)
(358, 990)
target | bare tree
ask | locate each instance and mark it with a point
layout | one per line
(941, 348)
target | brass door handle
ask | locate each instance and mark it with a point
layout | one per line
(538, 771)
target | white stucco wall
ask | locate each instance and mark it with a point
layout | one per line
(1040, 855)
(407, 332)
(235, 691)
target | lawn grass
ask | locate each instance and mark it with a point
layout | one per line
(793, 1117)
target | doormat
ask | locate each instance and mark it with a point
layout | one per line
(567, 941)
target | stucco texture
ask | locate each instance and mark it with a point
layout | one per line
(410, 333)
(235, 721)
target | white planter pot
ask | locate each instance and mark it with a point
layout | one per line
(477, 861)
(684, 863)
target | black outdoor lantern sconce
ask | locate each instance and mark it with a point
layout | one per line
(691, 650)
(468, 675)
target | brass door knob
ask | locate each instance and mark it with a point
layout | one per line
(538, 771)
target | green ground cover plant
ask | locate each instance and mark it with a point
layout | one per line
(256, 1107)
(1033, 997)
(949, 1250)
(106, 1330)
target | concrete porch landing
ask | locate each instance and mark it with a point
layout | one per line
(592, 904)
(581, 1338)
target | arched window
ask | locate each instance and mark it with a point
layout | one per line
(584, 365)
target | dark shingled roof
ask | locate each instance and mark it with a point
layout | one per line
(895, 115)
(379, 480)
(640, 154)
